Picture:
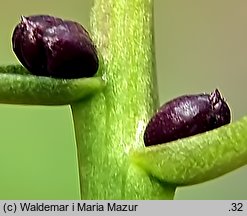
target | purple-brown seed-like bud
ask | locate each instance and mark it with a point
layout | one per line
(50, 46)
(186, 116)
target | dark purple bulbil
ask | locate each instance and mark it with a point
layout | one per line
(50, 46)
(186, 116)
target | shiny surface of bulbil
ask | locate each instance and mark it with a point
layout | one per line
(186, 116)
(50, 46)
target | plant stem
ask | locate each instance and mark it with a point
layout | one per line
(111, 124)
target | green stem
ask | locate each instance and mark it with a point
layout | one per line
(111, 124)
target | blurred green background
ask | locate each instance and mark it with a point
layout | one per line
(200, 45)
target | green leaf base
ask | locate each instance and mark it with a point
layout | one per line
(18, 86)
(198, 158)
